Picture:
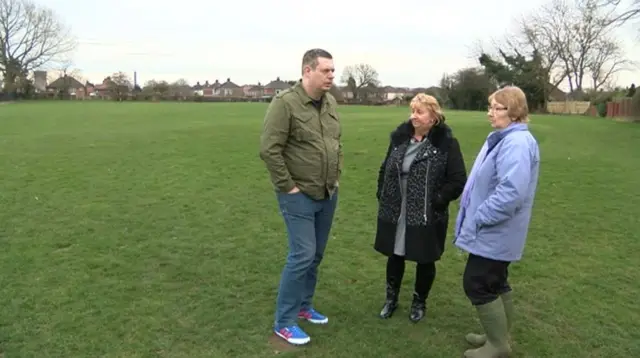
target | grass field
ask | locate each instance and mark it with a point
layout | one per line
(151, 230)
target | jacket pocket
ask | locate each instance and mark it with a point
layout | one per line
(478, 227)
(301, 127)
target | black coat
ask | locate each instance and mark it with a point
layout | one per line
(439, 164)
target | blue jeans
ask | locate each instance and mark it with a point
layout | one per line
(308, 224)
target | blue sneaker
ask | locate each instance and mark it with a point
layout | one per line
(293, 334)
(313, 316)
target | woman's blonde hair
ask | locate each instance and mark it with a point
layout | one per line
(431, 104)
(515, 100)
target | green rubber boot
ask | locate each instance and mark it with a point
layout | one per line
(494, 321)
(480, 339)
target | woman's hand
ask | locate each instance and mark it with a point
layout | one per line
(439, 203)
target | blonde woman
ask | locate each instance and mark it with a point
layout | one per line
(422, 172)
(495, 210)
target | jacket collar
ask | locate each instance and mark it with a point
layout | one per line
(437, 135)
(499, 134)
(306, 99)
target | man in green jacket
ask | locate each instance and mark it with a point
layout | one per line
(300, 146)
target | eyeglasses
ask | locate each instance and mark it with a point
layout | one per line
(495, 109)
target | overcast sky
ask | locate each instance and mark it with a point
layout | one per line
(254, 41)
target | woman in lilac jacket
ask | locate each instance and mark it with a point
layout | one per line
(492, 224)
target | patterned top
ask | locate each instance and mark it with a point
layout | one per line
(412, 150)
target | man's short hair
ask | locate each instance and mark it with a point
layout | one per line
(310, 57)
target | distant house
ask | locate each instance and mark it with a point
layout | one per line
(105, 89)
(230, 89)
(253, 91)
(67, 85)
(90, 89)
(346, 92)
(207, 89)
(213, 89)
(197, 89)
(391, 93)
(372, 92)
(274, 87)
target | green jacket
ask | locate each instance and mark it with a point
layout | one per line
(300, 146)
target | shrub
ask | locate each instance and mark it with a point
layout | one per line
(602, 109)
(603, 97)
(632, 90)
(600, 101)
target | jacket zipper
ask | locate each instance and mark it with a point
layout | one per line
(400, 184)
(426, 192)
(326, 152)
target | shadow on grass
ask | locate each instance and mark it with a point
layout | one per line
(278, 345)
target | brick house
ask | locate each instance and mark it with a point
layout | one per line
(253, 91)
(69, 85)
(274, 87)
(230, 89)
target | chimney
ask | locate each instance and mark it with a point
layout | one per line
(228, 79)
(135, 78)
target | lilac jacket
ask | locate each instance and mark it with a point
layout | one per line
(496, 204)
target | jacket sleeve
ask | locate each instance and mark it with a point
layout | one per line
(455, 176)
(381, 172)
(513, 166)
(275, 133)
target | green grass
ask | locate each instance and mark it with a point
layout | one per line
(151, 230)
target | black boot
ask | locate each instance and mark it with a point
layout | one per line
(418, 308)
(425, 275)
(391, 302)
(395, 272)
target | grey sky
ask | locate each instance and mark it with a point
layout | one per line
(254, 41)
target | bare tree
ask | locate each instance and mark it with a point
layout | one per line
(530, 39)
(119, 85)
(605, 61)
(66, 68)
(536, 35)
(577, 36)
(157, 87)
(590, 29)
(30, 37)
(622, 17)
(149, 87)
(180, 82)
(527, 38)
(66, 79)
(181, 88)
(359, 76)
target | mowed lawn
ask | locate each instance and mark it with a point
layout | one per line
(151, 230)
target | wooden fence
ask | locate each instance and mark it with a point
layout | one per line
(620, 108)
(568, 107)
